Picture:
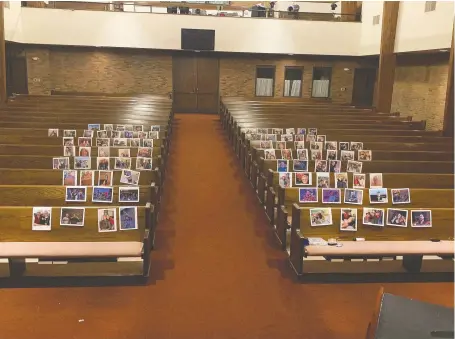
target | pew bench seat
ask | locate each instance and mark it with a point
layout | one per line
(70, 249)
(382, 248)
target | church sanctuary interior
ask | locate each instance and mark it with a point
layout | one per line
(227, 169)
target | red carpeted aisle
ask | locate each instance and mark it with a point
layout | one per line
(217, 271)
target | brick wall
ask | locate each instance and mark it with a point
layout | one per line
(98, 70)
(237, 75)
(420, 90)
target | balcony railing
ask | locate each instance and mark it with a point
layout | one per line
(188, 8)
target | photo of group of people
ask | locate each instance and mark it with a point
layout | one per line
(42, 218)
(72, 216)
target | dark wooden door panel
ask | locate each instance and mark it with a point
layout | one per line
(207, 84)
(363, 90)
(185, 103)
(184, 84)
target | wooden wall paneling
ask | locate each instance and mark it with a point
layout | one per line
(449, 108)
(350, 9)
(3, 96)
(387, 58)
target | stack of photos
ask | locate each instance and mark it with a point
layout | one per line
(323, 179)
(87, 178)
(331, 196)
(341, 180)
(282, 165)
(400, 196)
(76, 194)
(421, 218)
(353, 196)
(348, 219)
(302, 178)
(308, 195)
(105, 178)
(128, 194)
(69, 178)
(102, 194)
(396, 217)
(285, 179)
(354, 166)
(72, 216)
(52, 132)
(107, 220)
(378, 196)
(42, 218)
(300, 165)
(320, 216)
(130, 177)
(373, 216)
(358, 180)
(61, 163)
(376, 180)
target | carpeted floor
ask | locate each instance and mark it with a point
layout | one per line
(217, 271)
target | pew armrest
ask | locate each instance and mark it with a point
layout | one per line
(382, 248)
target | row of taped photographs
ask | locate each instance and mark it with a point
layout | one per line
(290, 130)
(323, 179)
(103, 194)
(355, 196)
(75, 216)
(371, 216)
(317, 154)
(54, 132)
(70, 151)
(316, 145)
(102, 163)
(105, 142)
(334, 166)
(105, 178)
(328, 144)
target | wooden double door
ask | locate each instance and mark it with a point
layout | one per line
(195, 79)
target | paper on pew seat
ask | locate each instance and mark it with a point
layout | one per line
(383, 248)
(70, 249)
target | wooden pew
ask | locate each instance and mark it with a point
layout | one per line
(19, 242)
(409, 242)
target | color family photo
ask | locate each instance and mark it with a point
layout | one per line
(348, 220)
(302, 178)
(400, 196)
(378, 195)
(354, 166)
(130, 177)
(82, 162)
(421, 218)
(128, 194)
(72, 216)
(76, 193)
(69, 178)
(353, 196)
(321, 216)
(122, 163)
(341, 180)
(285, 179)
(358, 180)
(323, 179)
(300, 165)
(102, 194)
(128, 218)
(308, 195)
(282, 165)
(42, 218)
(87, 178)
(144, 164)
(376, 180)
(373, 216)
(61, 163)
(396, 217)
(105, 178)
(107, 220)
(331, 196)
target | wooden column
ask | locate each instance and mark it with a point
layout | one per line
(448, 110)
(3, 96)
(387, 58)
(350, 9)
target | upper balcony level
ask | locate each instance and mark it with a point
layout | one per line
(350, 28)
